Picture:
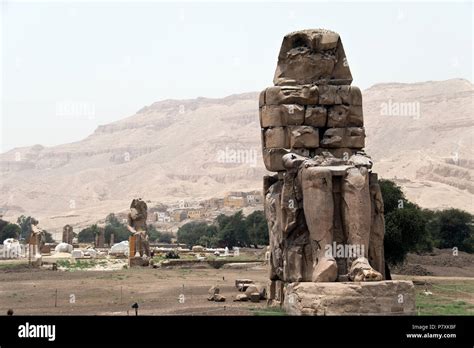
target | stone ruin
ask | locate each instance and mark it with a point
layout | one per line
(323, 206)
(36, 242)
(99, 238)
(139, 254)
(68, 234)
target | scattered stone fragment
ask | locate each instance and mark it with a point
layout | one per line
(219, 298)
(255, 297)
(241, 298)
(213, 290)
(242, 281)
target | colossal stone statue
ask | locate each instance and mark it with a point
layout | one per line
(324, 207)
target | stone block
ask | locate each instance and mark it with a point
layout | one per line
(356, 96)
(315, 116)
(241, 298)
(276, 138)
(303, 95)
(213, 290)
(251, 289)
(304, 137)
(293, 114)
(328, 40)
(273, 159)
(254, 297)
(271, 116)
(327, 95)
(356, 117)
(261, 99)
(351, 298)
(282, 115)
(77, 254)
(344, 152)
(351, 137)
(239, 282)
(138, 262)
(343, 95)
(219, 298)
(338, 116)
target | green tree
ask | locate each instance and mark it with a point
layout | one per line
(454, 229)
(191, 232)
(115, 227)
(153, 234)
(257, 228)
(9, 231)
(87, 235)
(405, 224)
(165, 237)
(25, 225)
(232, 231)
(404, 230)
(48, 237)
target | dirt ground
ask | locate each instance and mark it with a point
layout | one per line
(444, 285)
(439, 262)
(157, 291)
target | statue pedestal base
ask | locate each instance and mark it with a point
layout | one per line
(138, 261)
(36, 262)
(350, 298)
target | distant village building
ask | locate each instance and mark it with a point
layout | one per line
(238, 200)
(162, 217)
(178, 215)
(213, 203)
(195, 214)
(234, 202)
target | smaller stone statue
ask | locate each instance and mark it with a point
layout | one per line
(136, 224)
(36, 239)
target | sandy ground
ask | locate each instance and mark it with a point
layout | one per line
(157, 291)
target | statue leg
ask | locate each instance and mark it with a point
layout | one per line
(357, 219)
(318, 206)
(37, 245)
(377, 230)
(146, 246)
(138, 245)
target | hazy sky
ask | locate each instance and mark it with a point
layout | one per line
(69, 67)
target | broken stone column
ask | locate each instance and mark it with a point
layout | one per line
(99, 241)
(112, 240)
(323, 206)
(68, 234)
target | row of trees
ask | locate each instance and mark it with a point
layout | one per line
(21, 230)
(230, 231)
(408, 228)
